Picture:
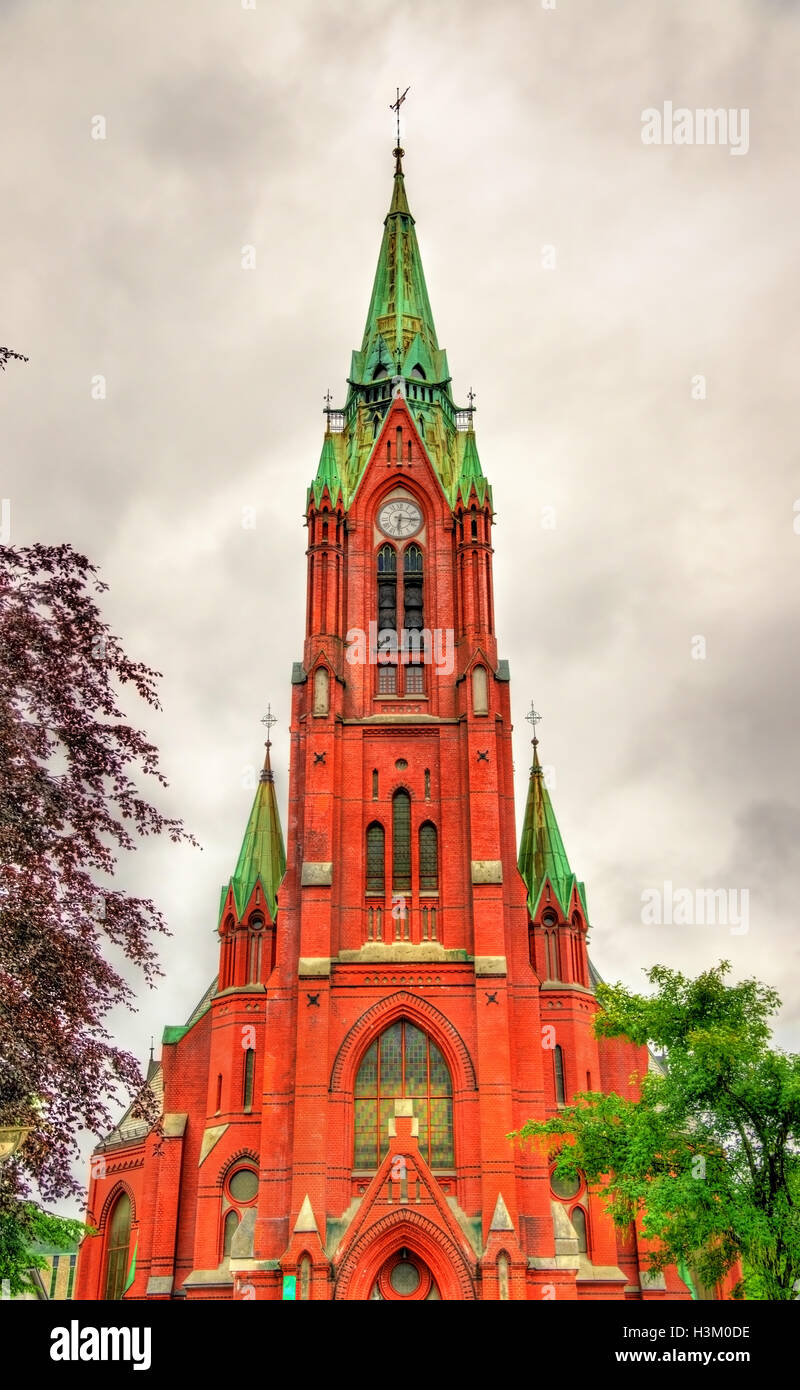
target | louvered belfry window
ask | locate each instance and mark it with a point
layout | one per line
(401, 842)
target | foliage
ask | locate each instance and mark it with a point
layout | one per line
(23, 1227)
(708, 1158)
(68, 805)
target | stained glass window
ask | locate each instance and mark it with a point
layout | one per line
(401, 842)
(375, 859)
(403, 1062)
(119, 1239)
(428, 859)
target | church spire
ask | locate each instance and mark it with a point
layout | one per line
(542, 856)
(399, 324)
(262, 857)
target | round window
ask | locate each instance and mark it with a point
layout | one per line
(565, 1187)
(243, 1185)
(401, 764)
(404, 1278)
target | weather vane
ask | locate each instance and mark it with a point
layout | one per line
(326, 409)
(533, 717)
(471, 406)
(395, 106)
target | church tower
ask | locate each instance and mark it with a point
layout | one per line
(404, 987)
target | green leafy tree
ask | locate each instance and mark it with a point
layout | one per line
(709, 1156)
(22, 1228)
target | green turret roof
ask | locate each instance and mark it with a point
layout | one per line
(262, 858)
(542, 855)
(471, 471)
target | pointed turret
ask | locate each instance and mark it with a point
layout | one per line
(542, 856)
(262, 858)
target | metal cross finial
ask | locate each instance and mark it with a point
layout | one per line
(533, 717)
(395, 106)
(471, 398)
(326, 409)
(268, 720)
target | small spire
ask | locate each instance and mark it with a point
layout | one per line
(268, 720)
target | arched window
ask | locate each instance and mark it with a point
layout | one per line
(375, 784)
(401, 842)
(419, 371)
(421, 426)
(379, 371)
(376, 424)
(387, 589)
(428, 859)
(218, 1105)
(558, 1072)
(230, 1228)
(480, 691)
(502, 1276)
(117, 1247)
(403, 1062)
(249, 1073)
(376, 859)
(240, 1191)
(321, 690)
(578, 1218)
(412, 589)
(304, 1281)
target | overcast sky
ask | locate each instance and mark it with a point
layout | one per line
(270, 127)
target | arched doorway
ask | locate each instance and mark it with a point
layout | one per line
(405, 1277)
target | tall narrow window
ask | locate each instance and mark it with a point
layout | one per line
(401, 842)
(403, 1062)
(480, 692)
(502, 1276)
(578, 1219)
(249, 1072)
(428, 859)
(387, 590)
(376, 860)
(218, 1105)
(412, 589)
(375, 784)
(321, 690)
(305, 1277)
(558, 1070)
(53, 1277)
(375, 426)
(71, 1279)
(229, 1231)
(119, 1239)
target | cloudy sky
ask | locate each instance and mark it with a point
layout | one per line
(673, 499)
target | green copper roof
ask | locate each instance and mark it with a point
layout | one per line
(542, 855)
(399, 353)
(471, 471)
(399, 309)
(262, 857)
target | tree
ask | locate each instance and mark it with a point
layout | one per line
(68, 805)
(709, 1156)
(23, 1226)
(6, 354)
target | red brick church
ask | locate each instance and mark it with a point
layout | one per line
(402, 986)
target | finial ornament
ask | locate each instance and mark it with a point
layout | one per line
(471, 409)
(395, 106)
(533, 717)
(267, 720)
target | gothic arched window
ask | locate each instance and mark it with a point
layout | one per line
(558, 1074)
(239, 1192)
(578, 1218)
(387, 589)
(412, 589)
(480, 691)
(376, 859)
(403, 1062)
(249, 1073)
(321, 690)
(117, 1246)
(428, 859)
(401, 842)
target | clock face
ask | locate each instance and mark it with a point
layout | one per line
(399, 519)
